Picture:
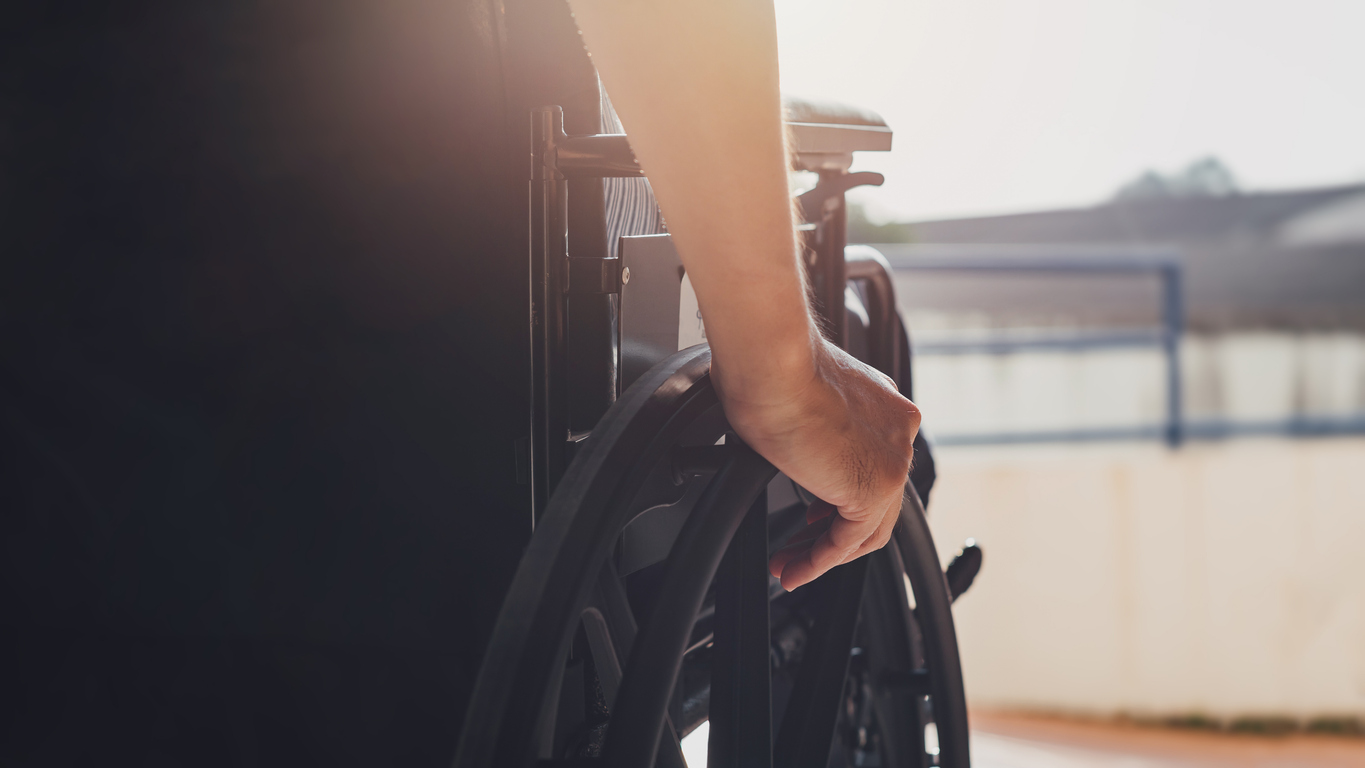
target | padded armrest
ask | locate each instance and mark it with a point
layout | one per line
(825, 134)
(802, 110)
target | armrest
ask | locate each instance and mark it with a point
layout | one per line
(825, 134)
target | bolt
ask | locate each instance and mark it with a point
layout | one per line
(625, 276)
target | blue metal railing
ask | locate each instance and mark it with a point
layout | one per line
(1165, 264)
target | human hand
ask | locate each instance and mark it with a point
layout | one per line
(844, 434)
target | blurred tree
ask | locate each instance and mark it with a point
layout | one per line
(863, 230)
(1206, 177)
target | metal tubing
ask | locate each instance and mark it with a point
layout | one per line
(542, 179)
(554, 158)
(807, 729)
(864, 264)
(549, 252)
(741, 688)
(601, 156)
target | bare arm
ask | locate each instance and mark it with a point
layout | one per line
(695, 83)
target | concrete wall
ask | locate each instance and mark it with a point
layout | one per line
(1246, 378)
(1224, 579)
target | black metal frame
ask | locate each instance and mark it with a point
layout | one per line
(566, 580)
(557, 274)
(582, 504)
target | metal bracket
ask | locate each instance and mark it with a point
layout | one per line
(590, 275)
(832, 187)
(691, 461)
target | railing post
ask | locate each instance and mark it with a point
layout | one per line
(1173, 321)
(1166, 267)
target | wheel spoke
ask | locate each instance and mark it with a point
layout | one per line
(741, 707)
(808, 724)
(633, 735)
(604, 658)
(899, 683)
(610, 628)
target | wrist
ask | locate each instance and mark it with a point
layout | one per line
(776, 375)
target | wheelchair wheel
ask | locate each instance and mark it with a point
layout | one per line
(643, 608)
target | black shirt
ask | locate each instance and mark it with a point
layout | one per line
(262, 366)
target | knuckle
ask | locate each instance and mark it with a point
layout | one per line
(913, 413)
(908, 428)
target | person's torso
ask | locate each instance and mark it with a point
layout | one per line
(263, 326)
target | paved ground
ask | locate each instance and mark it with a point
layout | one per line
(1017, 741)
(1014, 741)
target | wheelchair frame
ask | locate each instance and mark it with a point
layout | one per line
(556, 274)
(568, 604)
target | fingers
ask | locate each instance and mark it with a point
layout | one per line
(883, 534)
(799, 544)
(808, 562)
(819, 510)
(819, 516)
(804, 561)
(829, 541)
(842, 539)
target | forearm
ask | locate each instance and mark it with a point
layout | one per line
(696, 85)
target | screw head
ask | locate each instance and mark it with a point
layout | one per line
(625, 275)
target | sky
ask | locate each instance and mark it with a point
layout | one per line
(1001, 106)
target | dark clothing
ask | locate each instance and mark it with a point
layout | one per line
(263, 363)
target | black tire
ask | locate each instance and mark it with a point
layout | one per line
(568, 677)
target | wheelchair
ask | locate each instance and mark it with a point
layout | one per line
(643, 606)
(268, 432)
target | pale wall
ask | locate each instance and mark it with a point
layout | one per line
(1221, 578)
(1246, 378)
